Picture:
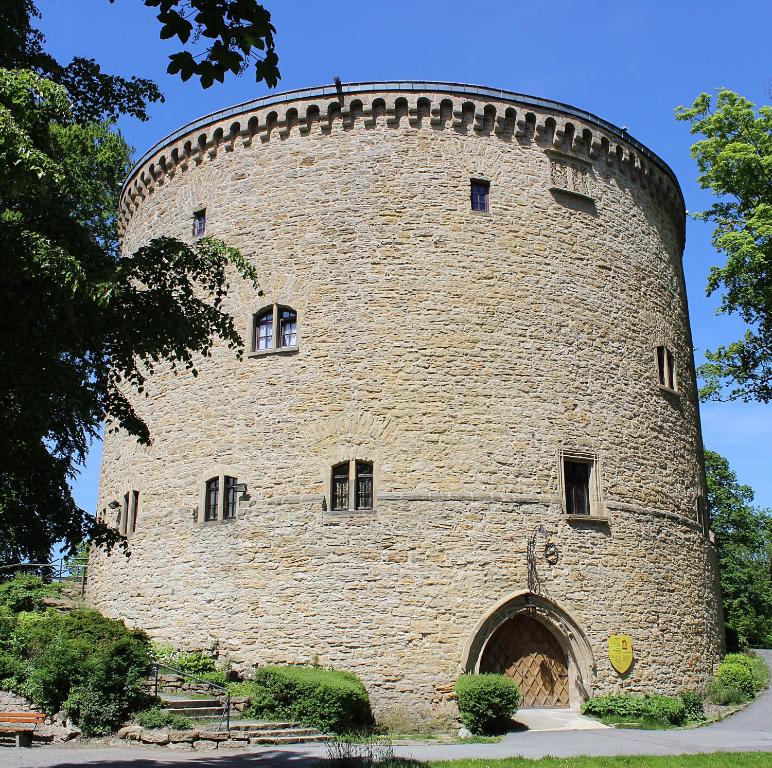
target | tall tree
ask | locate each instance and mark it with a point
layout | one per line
(744, 543)
(80, 324)
(735, 162)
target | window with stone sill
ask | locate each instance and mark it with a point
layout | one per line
(217, 505)
(580, 484)
(275, 328)
(352, 486)
(666, 369)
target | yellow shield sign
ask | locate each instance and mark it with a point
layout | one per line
(620, 651)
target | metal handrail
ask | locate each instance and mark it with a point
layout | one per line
(64, 569)
(226, 712)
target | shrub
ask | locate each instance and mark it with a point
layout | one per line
(739, 678)
(155, 717)
(327, 699)
(666, 710)
(25, 593)
(487, 702)
(693, 708)
(92, 665)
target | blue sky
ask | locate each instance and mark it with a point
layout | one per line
(629, 62)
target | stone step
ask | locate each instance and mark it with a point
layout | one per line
(196, 712)
(253, 726)
(281, 733)
(288, 739)
(180, 703)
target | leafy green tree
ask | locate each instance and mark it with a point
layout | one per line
(735, 161)
(81, 325)
(744, 542)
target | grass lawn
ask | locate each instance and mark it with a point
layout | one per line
(713, 760)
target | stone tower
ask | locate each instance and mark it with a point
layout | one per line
(465, 433)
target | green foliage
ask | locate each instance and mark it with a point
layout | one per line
(487, 702)
(694, 711)
(155, 717)
(94, 325)
(735, 162)
(744, 543)
(94, 95)
(25, 593)
(192, 662)
(239, 29)
(91, 665)
(653, 708)
(738, 679)
(330, 700)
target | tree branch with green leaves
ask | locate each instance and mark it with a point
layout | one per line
(734, 159)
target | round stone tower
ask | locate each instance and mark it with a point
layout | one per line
(465, 432)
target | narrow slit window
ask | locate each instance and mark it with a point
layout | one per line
(211, 497)
(340, 486)
(364, 485)
(199, 223)
(480, 195)
(577, 485)
(229, 508)
(666, 372)
(124, 515)
(288, 327)
(134, 510)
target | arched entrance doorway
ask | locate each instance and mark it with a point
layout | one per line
(525, 650)
(539, 644)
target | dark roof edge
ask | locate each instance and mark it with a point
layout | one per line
(407, 86)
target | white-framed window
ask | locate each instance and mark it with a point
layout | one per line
(666, 369)
(274, 328)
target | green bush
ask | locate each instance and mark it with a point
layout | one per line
(739, 678)
(25, 593)
(693, 708)
(487, 702)
(155, 717)
(82, 661)
(327, 699)
(665, 710)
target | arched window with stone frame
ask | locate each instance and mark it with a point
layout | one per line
(274, 329)
(352, 486)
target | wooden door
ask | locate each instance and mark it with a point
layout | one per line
(525, 650)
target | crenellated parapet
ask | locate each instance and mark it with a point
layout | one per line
(576, 142)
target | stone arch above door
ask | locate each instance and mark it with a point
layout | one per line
(566, 631)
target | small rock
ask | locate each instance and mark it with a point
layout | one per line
(213, 735)
(202, 744)
(127, 730)
(464, 733)
(72, 732)
(178, 737)
(154, 737)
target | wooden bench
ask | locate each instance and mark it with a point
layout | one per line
(21, 724)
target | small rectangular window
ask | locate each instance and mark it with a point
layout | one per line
(364, 485)
(577, 487)
(229, 510)
(199, 223)
(288, 327)
(480, 195)
(340, 486)
(124, 515)
(211, 497)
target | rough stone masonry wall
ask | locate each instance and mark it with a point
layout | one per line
(458, 351)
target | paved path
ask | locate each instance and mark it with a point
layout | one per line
(749, 730)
